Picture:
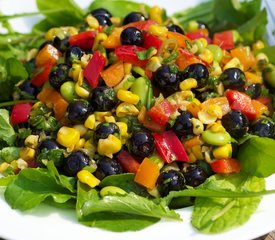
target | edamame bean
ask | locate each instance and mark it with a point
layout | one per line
(67, 91)
(216, 138)
(217, 52)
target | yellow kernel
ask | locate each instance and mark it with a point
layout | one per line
(68, 137)
(126, 109)
(90, 122)
(224, 151)
(109, 119)
(258, 45)
(156, 14)
(214, 110)
(191, 158)
(100, 116)
(81, 128)
(206, 55)
(216, 127)
(80, 143)
(157, 30)
(4, 166)
(123, 128)
(127, 68)
(196, 150)
(75, 71)
(100, 37)
(188, 84)
(153, 64)
(27, 153)
(32, 141)
(88, 178)
(127, 96)
(197, 126)
(92, 22)
(234, 62)
(109, 146)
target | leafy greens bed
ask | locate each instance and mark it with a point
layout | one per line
(221, 202)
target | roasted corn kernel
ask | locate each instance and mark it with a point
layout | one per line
(157, 30)
(27, 153)
(68, 137)
(127, 96)
(109, 146)
(188, 84)
(88, 178)
(233, 63)
(126, 109)
(100, 37)
(156, 14)
(92, 21)
(197, 126)
(206, 55)
(32, 141)
(224, 151)
(154, 63)
(100, 116)
(90, 122)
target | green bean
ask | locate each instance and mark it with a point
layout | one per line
(140, 87)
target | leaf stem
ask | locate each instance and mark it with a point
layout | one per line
(10, 103)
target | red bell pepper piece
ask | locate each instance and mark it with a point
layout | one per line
(94, 68)
(200, 33)
(126, 160)
(141, 25)
(41, 74)
(20, 113)
(224, 39)
(84, 40)
(241, 102)
(161, 112)
(226, 165)
(169, 147)
(127, 53)
(151, 41)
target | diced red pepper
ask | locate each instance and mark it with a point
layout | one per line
(84, 40)
(41, 74)
(126, 160)
(200, 33)
(127, 53)
(224, 39)
(94, 68)
(161, 112)
(169, 147)
(151, 40)
(20, 113)
(226, 166)
(141, 25)
(241, 102)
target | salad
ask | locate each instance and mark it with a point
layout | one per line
(126, 114)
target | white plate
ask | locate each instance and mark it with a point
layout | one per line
(46, 222)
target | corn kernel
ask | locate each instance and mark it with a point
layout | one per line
(206, 56)
(100, 116)
(234, 62)
(216, 127)
(214, 110)
(123, 128)
(68, 137)
(224, 151)
(100, 37)
(258, 45)
(205, 117)
(116, 21)
(27, 153)
(127, 68)
(197, 101)
(4, 166)
(109, 119)
(75, 71)
(127, 96)
(197, 126)
(157, 30)
(153, 64)
(81, 128)
(90, 122)
(188, 84)
(216, 69)
(31, 141)
(21, 163)
(191, 158)
(196, 150)
(126, 109)
(80, 143)
(90, 149)
(92, 21)
(109, 146)
(156, 14)
(88, 178)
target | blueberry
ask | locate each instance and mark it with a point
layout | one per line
(199, 72)
(175, 28)
(233, 78)
(106, 167)
(131, 36)
(183, 125)
(103, 130)
(103, 98)
(78, 111)
(75, 162)
(133, 17)
(59, 75)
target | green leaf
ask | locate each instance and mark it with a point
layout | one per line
(9, 154)
(124, 181)
(7, 133)
(119, 8)
(214, 215)
(109, 220)
(257, 156)
(33, 186)
(64, 12)
(269, 51)
(4, 181)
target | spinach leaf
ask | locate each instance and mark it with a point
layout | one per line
(32, 186)
(109, 220)
(269, 51)
(12, 72)
(7, 133)
(124, 181)
(257, 156)
(213, 215)
(119, 8)
(4, 181)
(64, 12)
(9, 154)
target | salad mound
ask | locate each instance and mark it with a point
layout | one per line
(126, 116)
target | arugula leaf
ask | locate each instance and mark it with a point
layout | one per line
(257, 156)
(213, 215)
(119, 8)
(112, 221)
(7, 133)
(11, 73)
(32, 186)
(64, 12)
(8, 154)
